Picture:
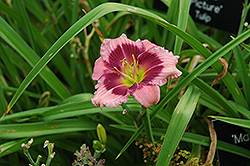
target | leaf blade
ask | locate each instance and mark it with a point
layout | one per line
(179, 121)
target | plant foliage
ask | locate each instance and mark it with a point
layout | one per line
(47, 53)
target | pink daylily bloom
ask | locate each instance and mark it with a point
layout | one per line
(135, 68)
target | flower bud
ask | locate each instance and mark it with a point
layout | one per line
(97, 145)
(101, 132)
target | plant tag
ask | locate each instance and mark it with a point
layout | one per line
(234, 135)
(221, 14)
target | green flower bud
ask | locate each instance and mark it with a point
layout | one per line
(101, 132)
(97, 145)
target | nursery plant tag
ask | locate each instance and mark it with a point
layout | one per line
(221, 14)
(234, 135)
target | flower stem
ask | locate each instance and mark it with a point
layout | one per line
(51, 154)
(48, 161)
(38, 160)
(97, 154)
(27, 153)
(86, 49)
(147, 123)
(130, 113)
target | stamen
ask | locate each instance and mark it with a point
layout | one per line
(129, 71)
(125, 75)
(124, 61)
(134, 66)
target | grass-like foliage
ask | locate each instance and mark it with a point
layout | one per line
(47, 53)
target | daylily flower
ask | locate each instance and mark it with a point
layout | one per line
(135, 68)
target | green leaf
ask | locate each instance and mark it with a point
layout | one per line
(11, 12)
(75, 10)
(9, 66)
(243, 73)
(184, 6)
(13, 131)
(3, 106)
(179, 121)
(147, 125)
(226, 107)
(27, 23)
(37, 9)
(196, 149)
(13, 39)
(241, 109)
(11, 146)
(235, 121)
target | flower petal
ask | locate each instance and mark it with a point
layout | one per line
(110, 91)
(113, 51)
(107, 97)
(147, 44)
(99, 69)
(159, 65)
(147, 95)
(133, 87)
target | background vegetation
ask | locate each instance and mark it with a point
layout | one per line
(47, 53)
